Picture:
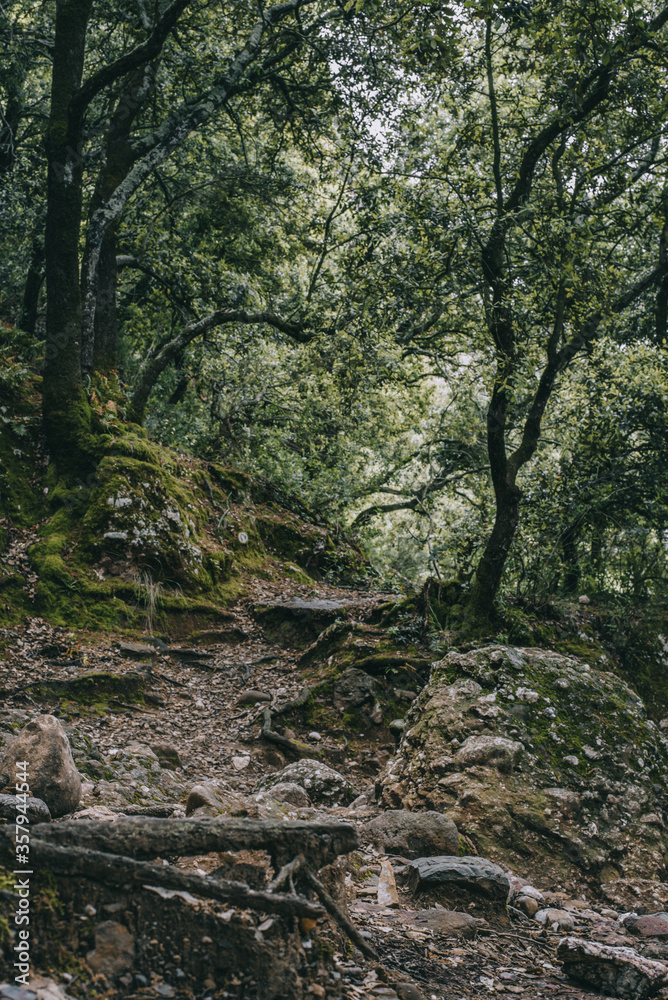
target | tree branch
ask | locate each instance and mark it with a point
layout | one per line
(156, 148)
(156, 365)
(132, 60)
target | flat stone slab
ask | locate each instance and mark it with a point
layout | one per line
(315, 604)
(476, 875)
(617, 972)
(298, 621)
(177, 653)
(136, 650)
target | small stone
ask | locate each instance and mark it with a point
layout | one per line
(293, 794)
(114, 949)
(527, 905)
(572, 760)
(650, 925)
(447, 923)
(167, 755)
(387, 886)
(165, 990)
(408, 991)
(10, 992)
(188, 655)
(36, 810)
(560, 920)
(527, 695)
(583, 599)
(239, 763)
(569, 803)
(219, 800)
(315, 736)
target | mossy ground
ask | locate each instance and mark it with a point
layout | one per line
(141, 537)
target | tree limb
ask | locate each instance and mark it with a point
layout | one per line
(149, 837)
(156, 365)
(132, 60)
(115, 869)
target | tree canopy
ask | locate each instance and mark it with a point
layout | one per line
(410, 261)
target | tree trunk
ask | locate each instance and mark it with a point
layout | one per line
(33, 286)
(99, 348)
(490, 568)
(105, 347)
(571, 562)
(65, 407)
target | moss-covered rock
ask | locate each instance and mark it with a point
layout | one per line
(140, 517)
(584, 794)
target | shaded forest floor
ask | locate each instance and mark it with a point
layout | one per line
(197, 710)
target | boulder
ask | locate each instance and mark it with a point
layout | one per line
(114, 951)
(355, 689)
(298, 622)
(457, 878)
(413, 835)
(216, 800)
(37, 810)
(293, 794)
(52, 775)
(617, 972)
(650, 925)
(501, 741)
(321, 783)
(491, 751)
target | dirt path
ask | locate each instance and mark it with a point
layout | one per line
(198, 711)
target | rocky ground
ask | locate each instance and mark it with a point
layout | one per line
(571, 831)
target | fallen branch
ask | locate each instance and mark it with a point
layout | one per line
(289, 746)
(298, 702)
(114, 869)
(376, 664)
(286, 872)
(339, 916)
(149, 837)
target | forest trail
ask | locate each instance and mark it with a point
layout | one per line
(199, 711)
